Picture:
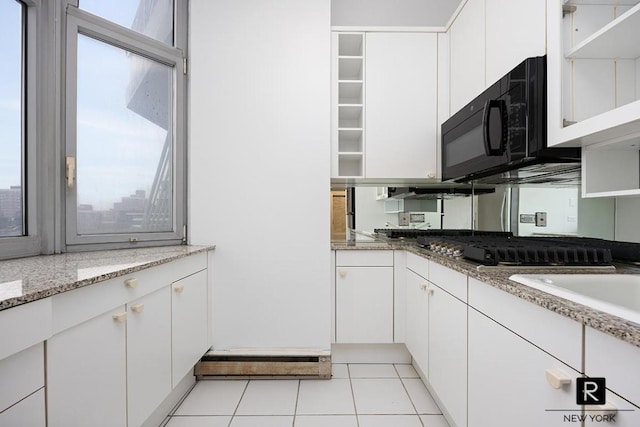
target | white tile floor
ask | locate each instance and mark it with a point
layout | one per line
(358, 395)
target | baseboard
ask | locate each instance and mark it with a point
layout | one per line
(161, 415)
(265, 363)
(370, 353)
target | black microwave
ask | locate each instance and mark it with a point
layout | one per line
(504, 130)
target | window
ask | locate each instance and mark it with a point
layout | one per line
(125, 125)
(12, 102)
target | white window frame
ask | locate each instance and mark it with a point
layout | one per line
(79, 21)
(29, 244)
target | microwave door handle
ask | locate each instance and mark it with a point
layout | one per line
(502, 108)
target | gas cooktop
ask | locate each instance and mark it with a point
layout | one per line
(414, 233)
(533, 251)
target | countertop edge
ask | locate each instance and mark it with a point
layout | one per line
(612, 325)
(189, 250)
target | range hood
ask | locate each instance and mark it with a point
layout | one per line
(435, 192)
(553, 174)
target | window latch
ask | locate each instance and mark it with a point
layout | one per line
(70, 166)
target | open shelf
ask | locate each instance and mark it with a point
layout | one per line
(616, 40)
(350, 92)
(349, 116)
(350, 68)
(350, 140)
(350, 164)
(350, 44)
(612, 170)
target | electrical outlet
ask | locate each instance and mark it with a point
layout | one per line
(403, 218)
(541, 219)
(527, 219)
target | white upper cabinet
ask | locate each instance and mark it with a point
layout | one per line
(401, 105)
(385, 101)
(467, 61)
(593, 96)
(515, 30)
(488, 39)
(594, 71)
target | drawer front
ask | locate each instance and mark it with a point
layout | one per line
(450, 280)
(418, 265)
(21, 375)
(366, 258)
(31, 324)
(614, 359)
(558, 335)
(30, 412)
(74, 307)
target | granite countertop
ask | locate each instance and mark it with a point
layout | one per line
(29, 279)
(604, 322)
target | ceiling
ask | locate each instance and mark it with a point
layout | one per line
(394, 13)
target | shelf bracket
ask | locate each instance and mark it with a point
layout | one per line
(568, 9)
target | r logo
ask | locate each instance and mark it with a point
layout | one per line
(590, 391)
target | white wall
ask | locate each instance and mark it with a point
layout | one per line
(561, 205)
(457, 212)
(626, 214)
(259, 167)
(392, 13)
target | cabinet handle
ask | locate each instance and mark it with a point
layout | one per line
(137, 308)
(607, 409)
(423, 287)
(179, 288)
(131, 283)
(430, 290)
(342, 274)
(557, 378)
(120, 317)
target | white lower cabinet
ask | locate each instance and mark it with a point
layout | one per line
(616, 361)
(436, 331)
(115, 368)
(189, 323)
(364, 297)
(448, 352)
(364, 305)
(417, 319)
(29, 412)
(148, 354)
(22, 390)
(507, 380)
(86, 373)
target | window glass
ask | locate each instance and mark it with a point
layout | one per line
(153, 18)
(124, 141)
(11, 127)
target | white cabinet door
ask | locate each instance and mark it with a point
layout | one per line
(148, 354)
(616, 361)
(29, 412)
(467, 50)
(448, 352)
(401, 105)
(189, 323)
(507, 380)
(364, 304)
(417, 320)
(86, 373)
(515, 30)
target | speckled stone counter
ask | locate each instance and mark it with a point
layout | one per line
(29, 279)
(605, 322)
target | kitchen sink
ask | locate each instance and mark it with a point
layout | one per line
(616, 294)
